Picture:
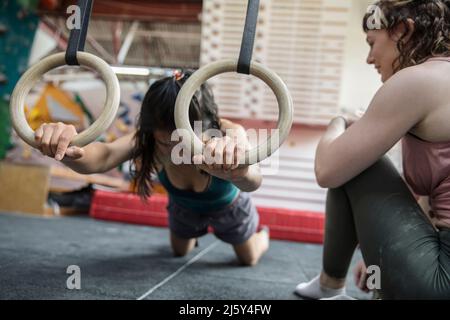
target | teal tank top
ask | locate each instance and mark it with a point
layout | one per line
(218, 195)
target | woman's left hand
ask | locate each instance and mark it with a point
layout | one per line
(351, 117)
(360, 276)
(221, 158)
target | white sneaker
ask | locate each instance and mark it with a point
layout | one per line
(313, 290)
(340, 297)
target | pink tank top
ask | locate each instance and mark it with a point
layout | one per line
(426, 167)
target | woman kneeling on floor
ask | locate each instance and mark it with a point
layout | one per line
(213, 193)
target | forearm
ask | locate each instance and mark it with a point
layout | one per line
(334, 130)
(323, 156)
(236, 132)
(251, 181)
(93, 160)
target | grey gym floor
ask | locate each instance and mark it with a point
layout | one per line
(123, 261)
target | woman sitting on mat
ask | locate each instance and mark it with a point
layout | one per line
(368, 202)
(200, 196)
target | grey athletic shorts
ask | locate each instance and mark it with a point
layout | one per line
(233, 224)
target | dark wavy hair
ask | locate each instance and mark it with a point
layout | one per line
(157, 113)
(431, 36)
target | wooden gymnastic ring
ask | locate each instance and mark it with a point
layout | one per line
(285, 104)
(34, 74)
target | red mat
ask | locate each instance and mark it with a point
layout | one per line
(284, 224)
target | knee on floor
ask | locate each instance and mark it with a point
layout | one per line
(249, 260)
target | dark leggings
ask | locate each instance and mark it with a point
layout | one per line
(377, 210)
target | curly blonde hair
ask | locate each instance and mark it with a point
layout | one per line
(431, 36)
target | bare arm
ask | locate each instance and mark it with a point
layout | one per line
(101, 157)
(252, 180)
(53, 140)
(397, 107)
(228, 151)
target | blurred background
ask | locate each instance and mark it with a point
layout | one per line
(317, 47)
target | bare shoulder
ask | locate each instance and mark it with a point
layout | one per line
(419, 81)
(225, 123)
(228, 124)
(416, 77)
(411, 90)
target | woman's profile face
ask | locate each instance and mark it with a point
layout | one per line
(383, 52)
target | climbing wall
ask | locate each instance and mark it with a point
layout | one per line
(302, 40)
(18, 25)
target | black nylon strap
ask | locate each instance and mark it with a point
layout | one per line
(77, 37)
(248, 38)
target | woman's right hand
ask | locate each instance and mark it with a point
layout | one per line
(53, 140)
(360, 276)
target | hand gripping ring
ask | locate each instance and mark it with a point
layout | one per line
(32, 76)
(285, 104)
